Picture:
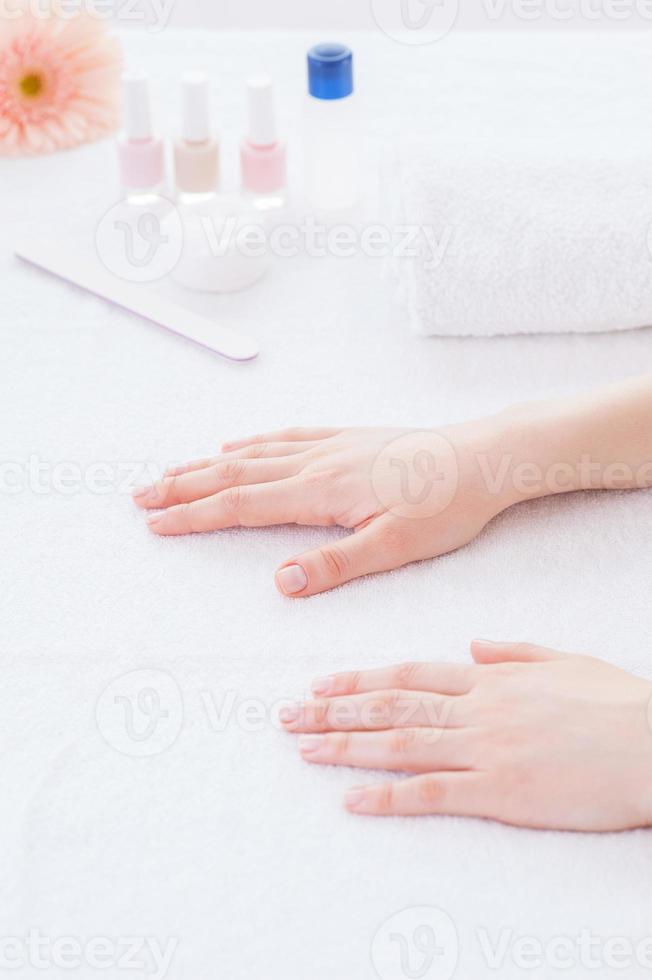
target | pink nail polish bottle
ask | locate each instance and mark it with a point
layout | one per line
(140, 153)
(196, 153)
(262, 155)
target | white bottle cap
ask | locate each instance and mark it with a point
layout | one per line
(137, 115)
(195, 107)
(262, 121)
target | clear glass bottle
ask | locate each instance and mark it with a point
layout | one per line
(331, 145)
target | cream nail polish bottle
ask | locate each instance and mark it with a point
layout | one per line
(262, 154)
(140, 153)
(196, 152)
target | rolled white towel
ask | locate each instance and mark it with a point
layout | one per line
(530, 240)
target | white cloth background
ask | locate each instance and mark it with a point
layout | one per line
(226, 840)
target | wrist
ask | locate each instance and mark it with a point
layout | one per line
(585, 443)
(539, 450)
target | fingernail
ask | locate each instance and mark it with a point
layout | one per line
(141, 491)
(486, 643)
(322, 685)
(289, 714)
(291, 579)
(353, 797)
(175, 470)
(308, 744)
(154, 519)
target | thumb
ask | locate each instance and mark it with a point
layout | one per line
(377, 547)
(491, 652)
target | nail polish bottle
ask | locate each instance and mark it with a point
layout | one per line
(140, 153)
(196, 152)
(262, 154)
(331, 129)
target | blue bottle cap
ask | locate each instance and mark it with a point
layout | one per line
(330, 71)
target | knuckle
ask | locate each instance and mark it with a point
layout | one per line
(188, 516)
(234, 499)
(231, 471)
(258, 450)
(340, 745)
(408, 674)
(167, 489)
(353, 681)
(335, 561)
(320, 714)
(385, 798)
(402, 742)
(390, 702)
(431, 790)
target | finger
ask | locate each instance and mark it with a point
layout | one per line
(282, 435)
(193, 464)
(247, 506)
(262, 450)
(403, 749)
(375, 711)
(377, 547)
(212, 479)
(464, 794)
(492, 652)
(412, 676)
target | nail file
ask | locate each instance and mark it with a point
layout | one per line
(133, 297)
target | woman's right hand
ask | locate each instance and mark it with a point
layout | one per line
(526, 735)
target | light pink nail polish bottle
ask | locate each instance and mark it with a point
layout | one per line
(196, 152)
(140, 153)
(262, 155)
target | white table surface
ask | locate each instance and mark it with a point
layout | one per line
(224, 840)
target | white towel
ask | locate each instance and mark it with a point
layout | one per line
(522, 245)
(542, 229)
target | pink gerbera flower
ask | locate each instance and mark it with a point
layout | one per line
(59, 81)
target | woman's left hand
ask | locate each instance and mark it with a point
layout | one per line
(407, 494)
(526, 735)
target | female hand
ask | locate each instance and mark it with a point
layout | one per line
(527, 736)
(408, 494)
